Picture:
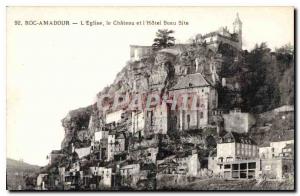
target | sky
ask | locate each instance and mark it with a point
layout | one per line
(54, 69)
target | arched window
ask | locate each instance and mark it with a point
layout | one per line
(188, 118)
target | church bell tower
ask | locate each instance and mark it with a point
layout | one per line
(237, 28)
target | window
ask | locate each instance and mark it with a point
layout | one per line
(201, 114)
(175, 120)
(235, 166)
(243, 166)
(190, 84)
(252, 165)
(188, 118)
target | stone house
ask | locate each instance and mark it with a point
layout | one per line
(277, 149)
(288, 151)
(106, 176)
(98, 135)
(147, 155)
(265, 152)
(114, 117)
(54, 155)
(75, 167)
(40, 182)
(130, 174)
(188, 165)
(61, 172)
(119, 143)
(111, 146)
(116, 144)
(157, 120)
(167, 165)
(138, 122)
(181, 164)
(277, 168)
(278, 146)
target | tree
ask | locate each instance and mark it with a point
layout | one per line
(163, 39)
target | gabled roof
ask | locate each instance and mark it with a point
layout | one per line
(289, 146)
(190, 81)
(237, 138)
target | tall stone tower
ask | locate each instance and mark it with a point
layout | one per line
(237, 28)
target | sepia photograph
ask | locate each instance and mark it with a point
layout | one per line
(150, 98)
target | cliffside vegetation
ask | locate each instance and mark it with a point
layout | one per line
(268, 80)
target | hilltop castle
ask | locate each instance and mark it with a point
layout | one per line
(212, 40)
(223, 35)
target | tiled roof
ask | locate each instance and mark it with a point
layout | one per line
(190, 81)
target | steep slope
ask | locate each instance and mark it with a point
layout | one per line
(16, 173)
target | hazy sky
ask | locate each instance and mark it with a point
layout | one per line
(54, 69)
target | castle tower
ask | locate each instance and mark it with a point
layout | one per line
(237, 28)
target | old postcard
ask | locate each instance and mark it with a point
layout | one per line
(150, 98)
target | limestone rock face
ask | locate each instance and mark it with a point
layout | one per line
(75, 121)
(156, 72)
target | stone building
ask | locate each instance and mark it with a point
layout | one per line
(277, 168)
(237, 121)
(237, 157)
(278, 146)
(157, 121)
(137, 52)
(188, 165)
(195, 111)
(277, 149)
(114, 117)
(54, 155)
(119, 143)
(223, 35)
(41, 180)
(99, 135)
(111, 146)
(105, 174)
(138, 122)
(144, 154)
(265, 152)
(235, 146)
(130, 174)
